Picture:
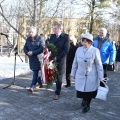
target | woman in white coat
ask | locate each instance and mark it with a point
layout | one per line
(87, 70)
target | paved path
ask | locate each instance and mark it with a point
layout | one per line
(17, 104)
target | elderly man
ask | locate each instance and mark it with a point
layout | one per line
(61, 41)
(33, 47)
(107, 49)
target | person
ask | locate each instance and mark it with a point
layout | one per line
(70, 57)
(87, 70)
(33, 47)
(117, 60)
(107, 49)
(61, 41)
(112, 67)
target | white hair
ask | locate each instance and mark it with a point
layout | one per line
(73, 39)
(104, 30)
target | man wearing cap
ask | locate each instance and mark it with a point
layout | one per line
(107, 49)
(87, 70)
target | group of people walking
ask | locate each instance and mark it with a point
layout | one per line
(86, 63)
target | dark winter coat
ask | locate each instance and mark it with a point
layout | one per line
(63, 45)
(118, 53)
(36, 47)
(70, 58)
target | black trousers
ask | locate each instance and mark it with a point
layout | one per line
(59, 84)
(105, 67)
(68, 79)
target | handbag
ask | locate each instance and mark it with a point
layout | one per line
(102, 91)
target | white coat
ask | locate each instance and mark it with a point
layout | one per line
(87, 69)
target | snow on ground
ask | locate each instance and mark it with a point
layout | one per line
(7, 67)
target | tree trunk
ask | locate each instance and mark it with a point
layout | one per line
(91, 24)
(92, 16)
(34, 14)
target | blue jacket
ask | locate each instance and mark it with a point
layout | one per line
(37, 48)
(107, 50)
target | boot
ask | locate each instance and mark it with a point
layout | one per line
(86, 107)
(68, 83)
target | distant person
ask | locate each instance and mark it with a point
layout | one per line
(87, 70)
(112, 67)
(79, 41)
(70, 58)
(117, 60)
(107, 49)
(33, 47)
(61, 41)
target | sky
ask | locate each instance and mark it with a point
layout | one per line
(7, 67)
(78, 8)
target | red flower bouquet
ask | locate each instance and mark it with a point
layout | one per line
(50, 66)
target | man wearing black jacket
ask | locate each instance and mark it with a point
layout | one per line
(61, 41)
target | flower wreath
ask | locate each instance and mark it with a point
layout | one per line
(50, 65)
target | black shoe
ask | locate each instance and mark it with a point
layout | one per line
(85, 109)
(56, 97)
(68, 83)
(67, 86)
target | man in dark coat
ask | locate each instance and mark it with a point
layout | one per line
(33, 47)
(61, 41)
(117, 60)
(70, 58)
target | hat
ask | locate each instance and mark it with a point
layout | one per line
(88, 36)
